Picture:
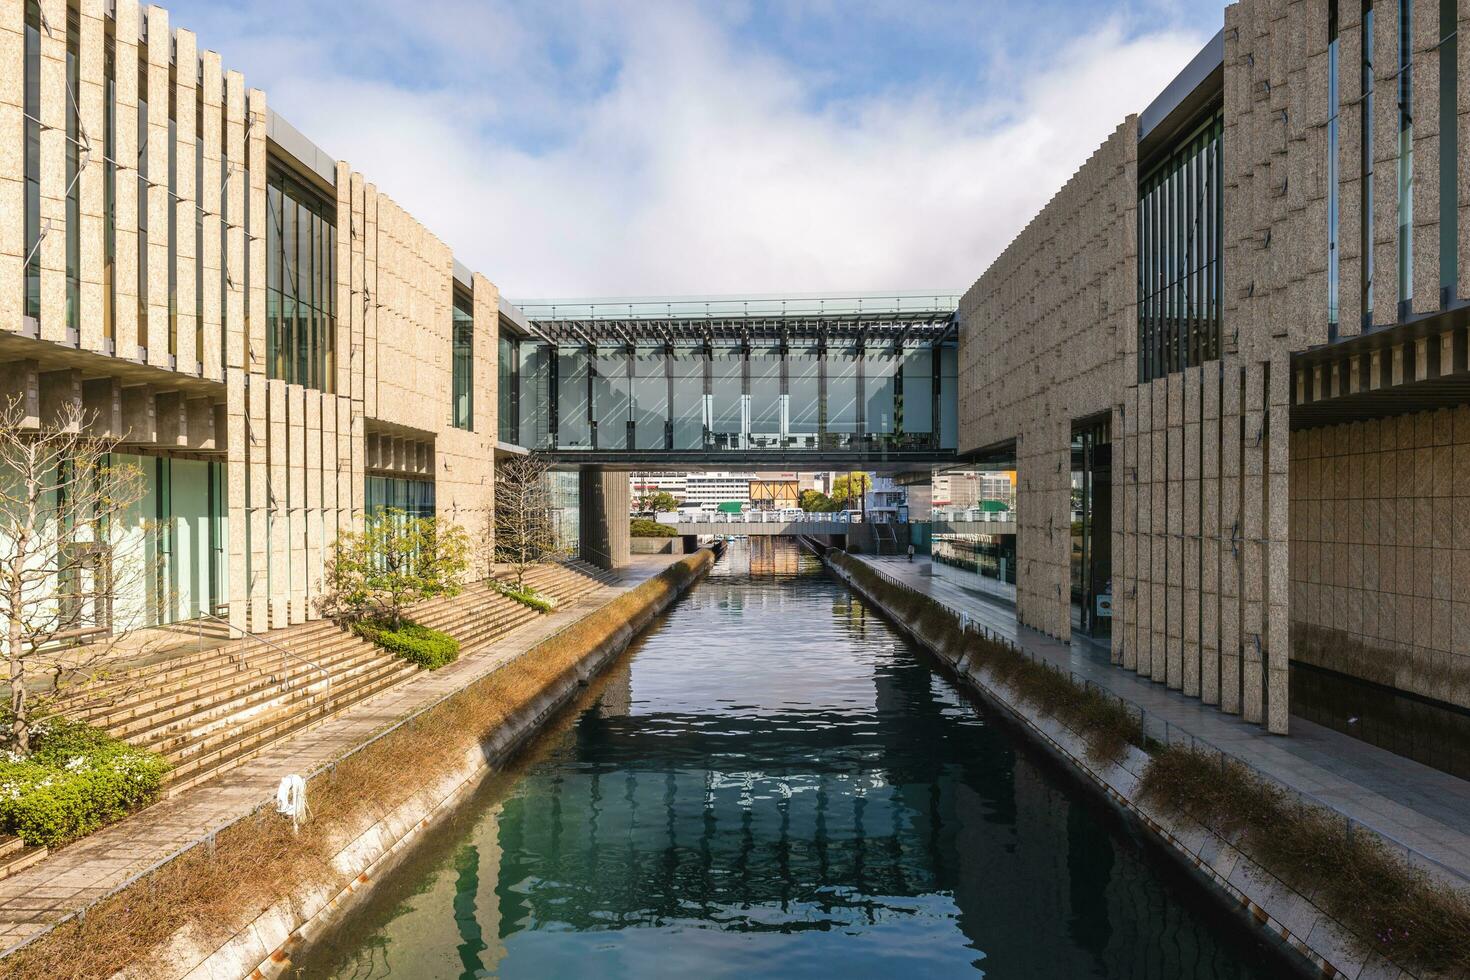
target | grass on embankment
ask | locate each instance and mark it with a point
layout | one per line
(1388, 905)
(258, 861)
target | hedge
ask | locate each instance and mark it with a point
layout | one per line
(529, 596)
(429, 648)
(76, 779)
(642, 527)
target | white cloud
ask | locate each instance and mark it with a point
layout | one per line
(703, 166)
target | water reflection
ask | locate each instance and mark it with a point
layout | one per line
(777, 784)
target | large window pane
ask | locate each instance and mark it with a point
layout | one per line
(463, 362)
(880, 369)
(842, 396)
(650, 398)
(765, 398)
(533, 395)
(918, 392)
(727, 390)
(574, 431)
(687, 369)
(803, 367)
(611, 398)
(300, 259)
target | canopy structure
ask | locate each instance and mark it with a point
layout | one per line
(907, 318)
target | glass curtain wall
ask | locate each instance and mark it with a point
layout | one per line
(1179, 238)
(728, 397)
(300, 283)
(612, 401)
(507, 374)
(463, 362)
(650, 398)
(686, 389)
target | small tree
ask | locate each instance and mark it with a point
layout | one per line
(70, 549)
(525, 530)
(393, 562)
(849, 487)
(660, 502)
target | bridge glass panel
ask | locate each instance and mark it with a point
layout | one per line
(842, 397)
(534, 395)
(803, 368)
(573, 430)
(880, 384)
(917, 407)
(611, 397)
(686, 370)
(765, 398)
(727, 397)
(949, 418)
(650, 398)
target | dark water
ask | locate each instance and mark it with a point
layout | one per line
(774, 783)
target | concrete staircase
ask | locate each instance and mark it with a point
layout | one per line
(211, 710)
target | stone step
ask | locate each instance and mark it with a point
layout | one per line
(182, 748)
(305, 682)
(225, 686)
(202, 768)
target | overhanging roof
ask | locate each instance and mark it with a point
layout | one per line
(911, 317)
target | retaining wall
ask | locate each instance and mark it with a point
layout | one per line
(1309, 935)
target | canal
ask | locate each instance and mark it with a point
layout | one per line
(774, 782)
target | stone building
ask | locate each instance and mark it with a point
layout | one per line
(280, 345)
(1228, 359)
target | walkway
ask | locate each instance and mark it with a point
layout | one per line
(1402, 800)
(98, 864)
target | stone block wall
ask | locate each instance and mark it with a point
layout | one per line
(1380, 540)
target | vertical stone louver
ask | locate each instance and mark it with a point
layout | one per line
(152, 305)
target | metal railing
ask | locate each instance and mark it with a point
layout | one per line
(1158, 728)
(763, 517)
(283, 651)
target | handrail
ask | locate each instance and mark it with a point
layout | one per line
(246, 634)
(1411, 854)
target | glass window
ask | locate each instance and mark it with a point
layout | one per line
(766, 403)
(1406, 153)
(1365, 230)
(1333, 205)
(686, 367)
(1449, 142)
(880, 382)
(463, 366)
(574, 428)
(33, 160)
(300, 256)
(73, 190)
(917, 409)
(842, 397)
(727, 398)
(532, 410)
(948, 404)
(611, 401)
(803, 400)
(650, 398)
(507, 368)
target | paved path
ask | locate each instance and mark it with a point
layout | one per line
(94, 866)
(1403, 800)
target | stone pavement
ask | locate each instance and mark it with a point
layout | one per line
(96, 865)
(1402, 800)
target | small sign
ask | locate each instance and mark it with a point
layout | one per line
(1105, 606)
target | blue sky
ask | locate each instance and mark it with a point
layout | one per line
(569, 148)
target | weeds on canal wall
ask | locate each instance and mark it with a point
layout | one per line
(1389, 905)
(1105, 723)
(209, 893)
(1392, 907)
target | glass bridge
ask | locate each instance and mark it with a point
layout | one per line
(782, 380)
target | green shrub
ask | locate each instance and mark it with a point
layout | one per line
(76, 779)
(429, 648)
(529, 597)
(643, 527)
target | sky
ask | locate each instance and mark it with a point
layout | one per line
(576, 148)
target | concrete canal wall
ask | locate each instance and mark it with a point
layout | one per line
(1309, 935)
(537, 684)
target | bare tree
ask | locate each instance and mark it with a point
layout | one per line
(72, 554)
(525, 528)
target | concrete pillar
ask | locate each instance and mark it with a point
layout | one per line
(606, 500)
